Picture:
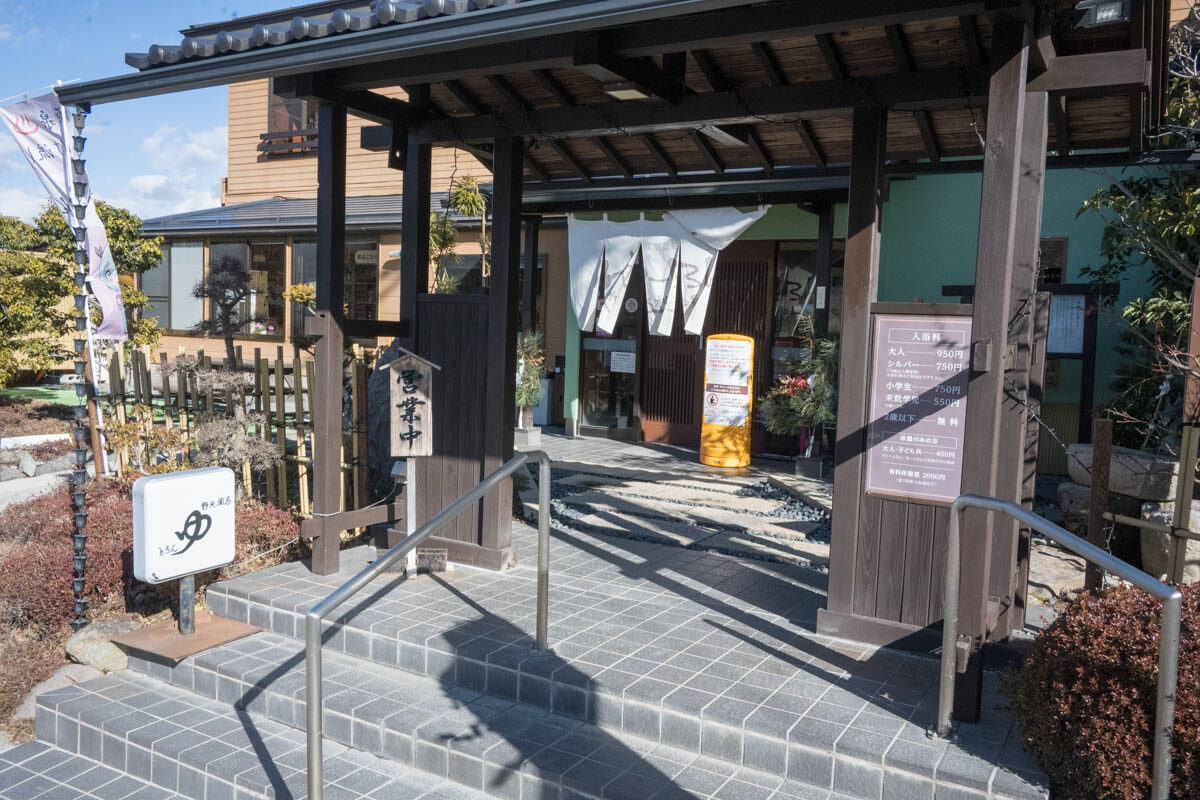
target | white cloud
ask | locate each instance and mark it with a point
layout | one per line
(171, 147)
(22, 203)
(6, 33)
(155, 194)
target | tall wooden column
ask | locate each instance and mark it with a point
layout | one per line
(331, 289)
(503, 297)
(990, 355)
(414, 234)
(859, 290)
(414, 266)
(1014, 464)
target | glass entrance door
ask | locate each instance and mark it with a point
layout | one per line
(609, 376)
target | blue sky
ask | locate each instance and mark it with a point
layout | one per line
(156, 155)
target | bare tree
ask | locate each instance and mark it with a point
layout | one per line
(227, 288)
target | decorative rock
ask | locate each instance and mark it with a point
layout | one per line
(11, 458)
(10, 473)
(28, 465)
(1073, 501)
(68, 675)
(93, 645)
(59, 464)
(1131, 472)
(1156, 546)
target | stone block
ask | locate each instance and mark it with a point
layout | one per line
(1156, 547)
(1131, 472)
(93, 645)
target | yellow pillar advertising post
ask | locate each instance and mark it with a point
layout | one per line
(728, 400)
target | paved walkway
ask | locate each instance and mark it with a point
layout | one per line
(680, 461)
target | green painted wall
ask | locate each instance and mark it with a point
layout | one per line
(930, 235)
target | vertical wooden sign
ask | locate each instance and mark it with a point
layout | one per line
(412, 406)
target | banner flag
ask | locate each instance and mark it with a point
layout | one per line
(39, 127)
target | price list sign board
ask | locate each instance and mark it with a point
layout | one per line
(918, 406)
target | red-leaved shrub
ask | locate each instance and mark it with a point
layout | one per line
(1085, 697)
(38, 566)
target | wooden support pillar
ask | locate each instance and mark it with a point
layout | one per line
(824, 276)
(414, 235)
(327, 400)
(860, 289)
(414, 271)
(990, 353)
(502, 339)
(1015, 413)
(533, 225)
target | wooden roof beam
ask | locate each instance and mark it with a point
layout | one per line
(612, 155)
(970, 37)
(904, 63)
(592, 58)
(929, 89)
(660, 155)
(562, 151)
(815, 153)
(833, 59)
(769, 64)
(706, 150)
(712, 73)
(366, 104)
(554, 87)
(759, 150)
(464, 96)
(1095, 73)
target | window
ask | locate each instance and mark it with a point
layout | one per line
(1052, 259)
(265, 260)
(169, 287)
(291, 126)
(360, 271)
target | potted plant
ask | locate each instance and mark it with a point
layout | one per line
(803, 400)
(531, 366)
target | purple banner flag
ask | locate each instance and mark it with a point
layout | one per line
(39, 127)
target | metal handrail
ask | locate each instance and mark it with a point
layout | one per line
(1168, 645)
(317, 614)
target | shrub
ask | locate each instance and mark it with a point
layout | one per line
(1085, 697)
(38, 567)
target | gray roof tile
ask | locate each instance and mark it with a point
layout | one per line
(313, 21)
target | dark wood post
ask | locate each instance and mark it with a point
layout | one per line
(990, 354)
(414, 235)
(1098, 496)
(331, 289)
(1010, 481)
(414, 271)
(502, 337)
(860, 289)
(530, 294)
(824, 276)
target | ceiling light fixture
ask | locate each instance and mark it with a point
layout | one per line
(626, 90)
(1094, 13)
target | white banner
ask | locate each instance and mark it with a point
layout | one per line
(678, 251)
(39, 127)
(621, 245)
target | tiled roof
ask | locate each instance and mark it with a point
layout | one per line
(313, 21)
(375, 212)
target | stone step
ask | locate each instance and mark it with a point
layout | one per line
(38, 769)
(502, 747)
(703, 477)
(149, 734)
(706, 516)
(676, 493)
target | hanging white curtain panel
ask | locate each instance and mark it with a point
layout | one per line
(621, 247)
(585, 248)
(678, 251)
(706, 232)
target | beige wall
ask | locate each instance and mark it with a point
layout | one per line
(250, 178)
